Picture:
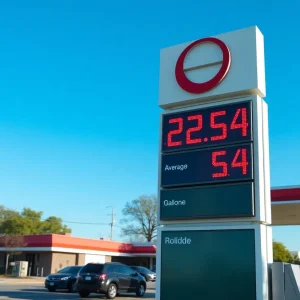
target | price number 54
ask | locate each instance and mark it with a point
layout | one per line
(220, 160)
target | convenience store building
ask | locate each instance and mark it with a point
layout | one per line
(49, 253)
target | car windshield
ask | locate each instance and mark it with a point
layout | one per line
(70, 270)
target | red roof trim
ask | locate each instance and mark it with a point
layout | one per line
(69, 242)
(291, 194)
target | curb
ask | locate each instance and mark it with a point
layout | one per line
(20, 282)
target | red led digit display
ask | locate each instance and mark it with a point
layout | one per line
(244, 124)
(179, 122)
(243, 163)
(202, 166)
(234, 164)
(214, 124)
(194, 129)
(222, 164)
(224, 124)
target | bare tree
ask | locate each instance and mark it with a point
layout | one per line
(140, 218)
(10, 243)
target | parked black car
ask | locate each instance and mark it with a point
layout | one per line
(109, 279)
(146, 273)
(63, 279)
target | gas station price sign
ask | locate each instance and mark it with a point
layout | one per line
(214, 169)
(203, 166)
(206, 157)
(218, 125)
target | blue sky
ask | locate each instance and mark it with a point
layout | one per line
(79, 99)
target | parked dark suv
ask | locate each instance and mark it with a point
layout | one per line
(109, 279)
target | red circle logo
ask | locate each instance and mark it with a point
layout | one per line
(198, 88)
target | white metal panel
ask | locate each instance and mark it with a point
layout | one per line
(261, 160)
(292, 282)
(267, 171)
(246, 74)
(278, 281)
(263, 261)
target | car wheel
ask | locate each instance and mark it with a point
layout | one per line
(72, 287)
(84, 294)
(141, 290)
(112, 291)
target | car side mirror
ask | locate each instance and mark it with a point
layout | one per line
(135, 274)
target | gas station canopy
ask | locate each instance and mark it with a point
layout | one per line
(285, 205)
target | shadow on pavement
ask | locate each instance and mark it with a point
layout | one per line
(35, 294)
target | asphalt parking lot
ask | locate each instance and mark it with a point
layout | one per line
(36, 291)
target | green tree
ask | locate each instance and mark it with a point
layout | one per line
(6, 213)
(281, 253)
(54, 225)
(28, 222)
(14, 225)
(296, 260)
(140, 218)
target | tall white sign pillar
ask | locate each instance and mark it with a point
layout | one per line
(214, 174)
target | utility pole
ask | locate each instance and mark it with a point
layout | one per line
(112, 221)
